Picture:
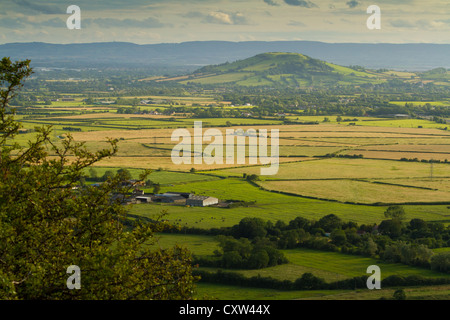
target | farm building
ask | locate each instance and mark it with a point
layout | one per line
(144, 199)
(186, 195)
(138, 192)
(173, 199)
(201, 201)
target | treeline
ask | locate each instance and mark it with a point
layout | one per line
(309, 281)
(243, 254)
(349, 156)
(72, 129)
(393, 240)
(423, 160)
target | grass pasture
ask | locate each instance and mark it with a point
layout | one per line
(270, 206)
(225, 292)
(165, 178)
(398, 155)
(343, 168)
(307, 184)
(357, 191)
(331, 266)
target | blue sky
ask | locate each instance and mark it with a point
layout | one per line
(168, 21)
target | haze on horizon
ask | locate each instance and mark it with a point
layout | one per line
(174, 21)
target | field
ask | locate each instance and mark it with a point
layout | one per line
(352, 171)
(267, 207)
(313, 185)
(357, 191)
(329, 266)
(225, 292)
(342, 168)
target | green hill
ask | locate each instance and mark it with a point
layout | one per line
(283, 69)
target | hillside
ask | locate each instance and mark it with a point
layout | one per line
(283, 69)
(412, 57)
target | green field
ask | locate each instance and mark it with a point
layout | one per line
(165, 178)
(421, 103)
(308, 184)
(330, 266)
(224, 292)
(268, 206)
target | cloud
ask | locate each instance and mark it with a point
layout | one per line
(193, 15)
(24, 22)
(125, 23)
(226, 18)
(45, 9)
(219, 17)
(12, 23)
(271, 3)
(400, 23)
(54, 23)
(296, 24)
(301, 3)
(353, 3)
(433, 24)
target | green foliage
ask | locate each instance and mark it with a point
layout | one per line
(408, 253)
(392, 228)
(338, 237)
(308, 282)
(250, 228)
(330, 222)
(395, 212)
(252, 177)
(156, 188)
(441, 262)
(243, 254)
(48, 222)
(399, 294)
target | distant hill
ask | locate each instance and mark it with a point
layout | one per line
(283, 69)
(413, 57)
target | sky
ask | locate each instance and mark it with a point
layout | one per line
(175, 21)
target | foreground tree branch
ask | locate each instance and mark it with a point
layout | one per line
(46, 225)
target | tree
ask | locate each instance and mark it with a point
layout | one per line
(250, 228)
(338, 237)
(370, 247)
(395, 212)
(47, 225)
(329, 222)
(441, 262)
(93, 174)
(108, 175)
(308, 281)
(156, 188)
(259, 259)
(399, 294)
(252, 177)
(125, 173)
(391, 228)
